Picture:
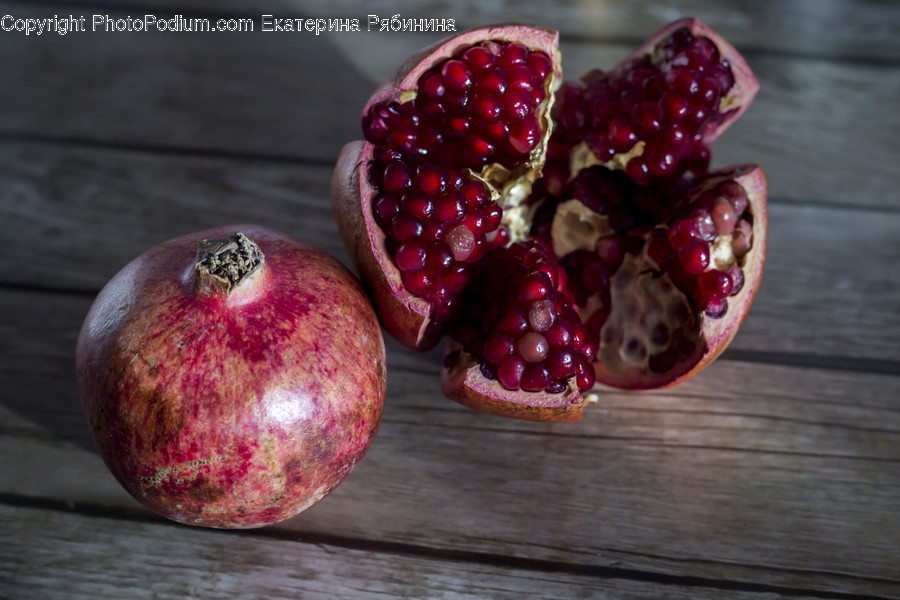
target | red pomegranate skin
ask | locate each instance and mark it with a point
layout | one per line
(232, 410)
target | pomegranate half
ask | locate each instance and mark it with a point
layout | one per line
(562, 235)
(232, 377)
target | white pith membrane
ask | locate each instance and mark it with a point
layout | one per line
(648, 314)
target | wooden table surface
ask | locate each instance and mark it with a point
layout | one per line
(773, 474)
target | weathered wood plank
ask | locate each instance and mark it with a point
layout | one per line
(843, 29)
(76, 215)
(753, 473)
(823, 130)
(50, 554)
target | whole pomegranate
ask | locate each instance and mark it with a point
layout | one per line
(561, 235)
(233, 377)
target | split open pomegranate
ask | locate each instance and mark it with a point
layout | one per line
(562, 236)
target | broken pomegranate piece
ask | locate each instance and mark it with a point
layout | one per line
(559, 236)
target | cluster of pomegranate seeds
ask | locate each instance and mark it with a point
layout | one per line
(469, 111)
(701, 249)
(665, 100)
(522, 324)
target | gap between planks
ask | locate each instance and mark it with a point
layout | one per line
(98, 511)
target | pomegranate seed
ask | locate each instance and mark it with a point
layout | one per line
(405, 227)
(456, 76)
(461, 241)
(434, 87)
(492, 82)
(584, 374)
(708, 92)
(457, 127)
(403, 139)
(517, 104)
(513, 54)
(416, 282)
(535, 378)
(609, 250)
(716, 309)
(540, 64)
(535, 287)
(456, 279)
(674, 107)
(524, 135)
(417, 204)
(513, 323)
(510, 372)
(488, 371)
(475, 223)
(736, 194)
(621, 136)
(706, 228)
(492, 218)
(520, 77)
(637, 169)
(684, 81)
(411, 256)
(450, 208)
(556, 386)
(533, 347)
(660, 162)
(596, 277)
(478, 58)
(714, 285)
(673, 138)
(477, 151)
(541, 315)
(559, 334)
(497, 348)
(723, 216)
(439, 259)
(561, 363)
(433, 229)
(743, 238)
(397, 178)
(431, 179)
(385, 207)
(645, 117)
(737, 276)
(694, 257)
(683, 233)
(485, 108)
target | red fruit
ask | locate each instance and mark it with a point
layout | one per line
(232, 387)
(587, 274)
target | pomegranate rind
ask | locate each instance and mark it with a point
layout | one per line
(406, 78)
(405, 316)
(746, 85)
(463, 382)
(715, 334)
(234, 411)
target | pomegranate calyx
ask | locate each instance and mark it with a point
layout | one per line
(223, 264)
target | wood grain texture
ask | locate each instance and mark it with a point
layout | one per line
(791, 462)
(833, 29)
(156, 560)
(94, 210)
(260, 94)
